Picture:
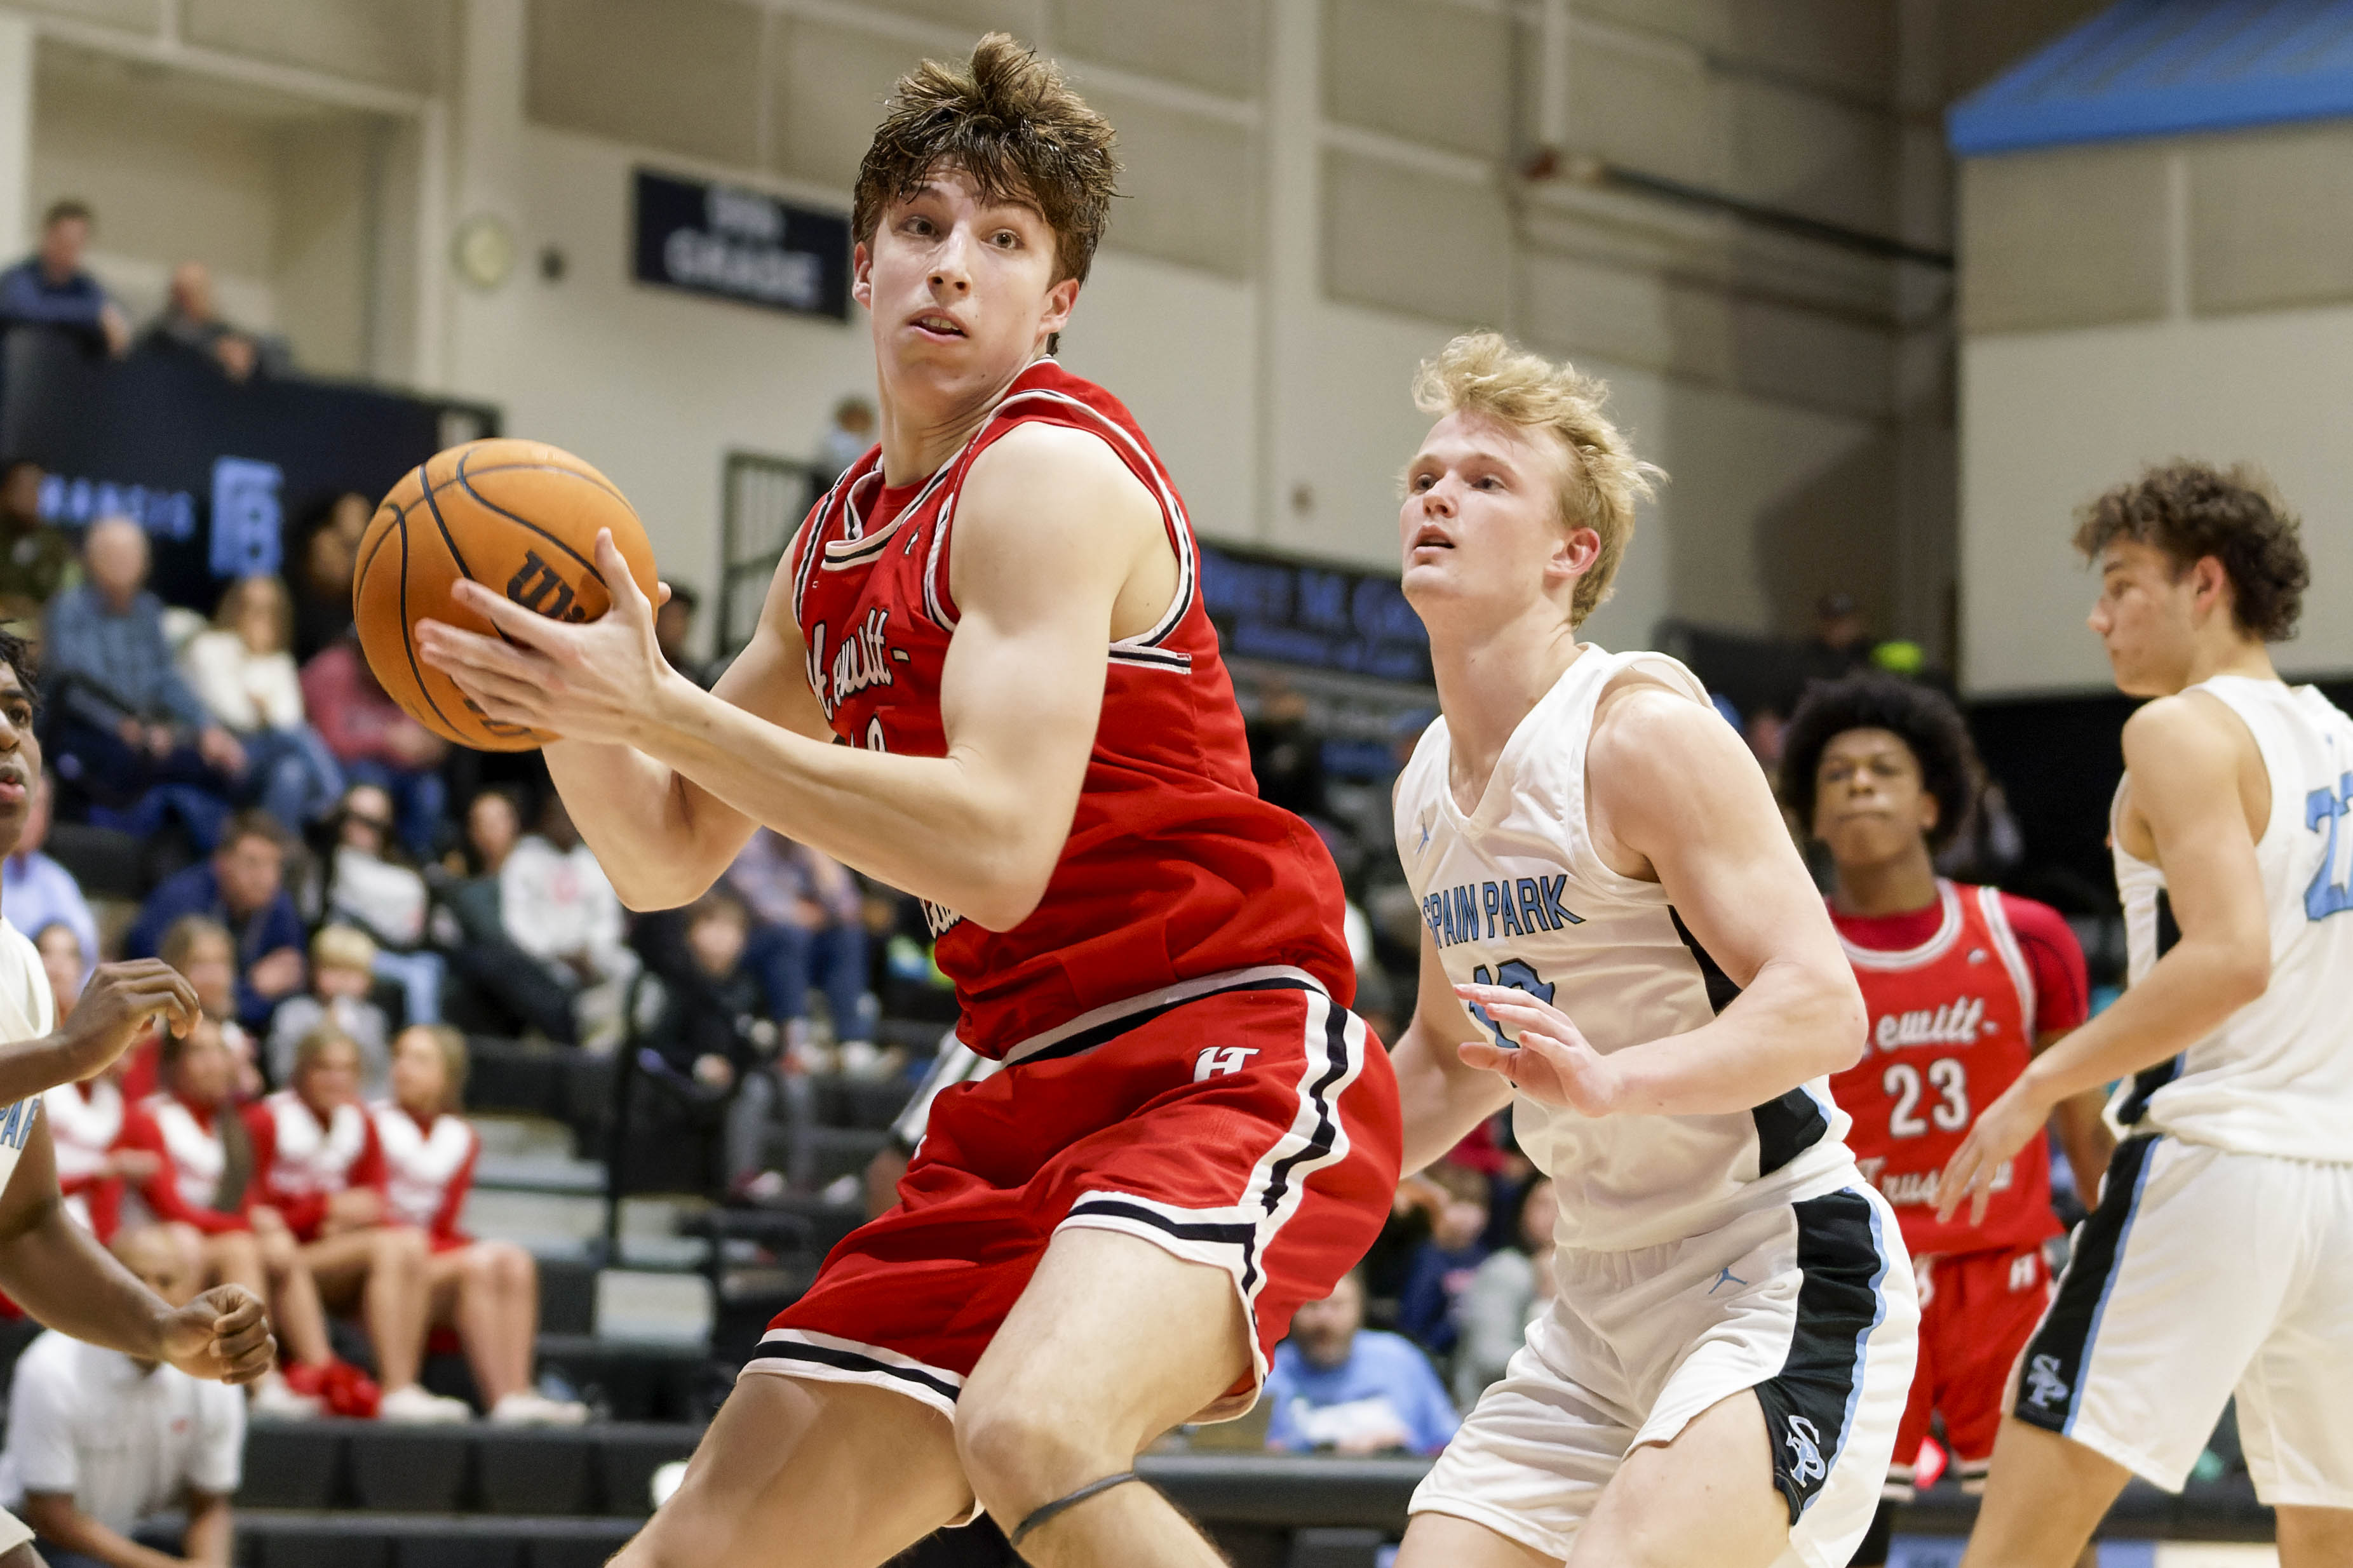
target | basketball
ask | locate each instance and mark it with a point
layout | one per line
(518, 517)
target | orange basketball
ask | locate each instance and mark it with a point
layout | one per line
(518, 517)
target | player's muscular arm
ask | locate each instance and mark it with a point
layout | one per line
(1675, 796)
(2185, 756)
(1443, 1096)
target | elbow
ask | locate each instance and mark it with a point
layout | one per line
(1006, 880)
(1845, 1028)
(2247, 973)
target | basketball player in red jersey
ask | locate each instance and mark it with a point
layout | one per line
(999, 610)
(1964, 985)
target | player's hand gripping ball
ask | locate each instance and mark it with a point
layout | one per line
(521, 519)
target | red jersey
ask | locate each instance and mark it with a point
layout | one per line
(193, 1157)
(429, 1170)
(1173, 869)
(301, 1162)
(1955, 1004)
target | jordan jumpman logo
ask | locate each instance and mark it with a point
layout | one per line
(1725, 1277)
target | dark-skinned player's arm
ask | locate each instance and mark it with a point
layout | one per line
(1049, 527)
(116, 1008)
(1669, 781)
(2182, 754)
(1442, 1096)
(64, 1280)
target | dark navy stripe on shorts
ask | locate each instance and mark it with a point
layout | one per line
(1809, 1403)
(2050, 1375)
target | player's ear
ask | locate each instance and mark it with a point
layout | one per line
(1573, 554)
(862, 274)
(1061, 300)
(2210, 585)
(1932, 811)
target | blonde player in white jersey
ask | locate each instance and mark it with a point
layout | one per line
(49, 1264)
(1605, 875)
(2220, 1259)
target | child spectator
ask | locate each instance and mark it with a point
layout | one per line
(37, 890)
(1507, 1293)
(317, 1162)
(556, 906)
(201, 1188)
(367, 885)
(342, 971)
(1337, 1385)
(486, 1290)
(242, 886)
(375, 740)
(241, 669)
(1442, 1266)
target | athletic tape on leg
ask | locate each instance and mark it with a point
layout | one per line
(1071, 1500)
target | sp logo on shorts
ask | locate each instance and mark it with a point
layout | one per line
(1221, 1059)
(2044, 1387)
(1804, 1445)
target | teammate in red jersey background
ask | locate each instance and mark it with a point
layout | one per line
(1963, 985)
(999, 611)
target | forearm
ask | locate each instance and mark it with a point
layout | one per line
(940, 827)
(2186, 995)
(67, 1528)
(2085, 1138)
(64, 1280)
(208, 1536)
(661, 840)
(1442, 1099)
(1790, 1026)
(28, 1067)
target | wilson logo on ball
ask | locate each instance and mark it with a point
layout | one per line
(536, 586)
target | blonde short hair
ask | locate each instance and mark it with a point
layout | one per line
(1481, 372)
(342, 947)
(316, 1042)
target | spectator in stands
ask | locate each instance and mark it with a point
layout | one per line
(202, 949)
(674, 630)
(125, 721)
(37, 557)
(1505, 1294)
(329, 553)
(202, 1187)
(375, 741)
(1286, 754)
(191, 321)
(86, 1119)
(367, 885)
(241, 669)
(343, 972)
(809, 927)
(1337, 1385)
(242, 886)
(714, 1041)
(557, 906)
(846, 439)
(317, 1162)
(36, 892)
(486, 1290)
(508, 988)
(99, 1441)
(1443, 1265)
(52, 288)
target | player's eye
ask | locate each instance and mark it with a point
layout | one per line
(1005, 238)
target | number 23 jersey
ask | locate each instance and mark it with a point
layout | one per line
(1513, 893)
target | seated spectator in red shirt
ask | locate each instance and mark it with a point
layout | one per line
(486, 1290)
(202, 1186)
(317, 1162)
(375, 741)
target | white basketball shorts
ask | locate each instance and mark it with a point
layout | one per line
(2201, 1274)
(1809, 1304)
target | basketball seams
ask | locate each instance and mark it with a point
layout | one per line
(408, 637)
(463, 481)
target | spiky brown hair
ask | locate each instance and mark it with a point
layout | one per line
(1011, 125)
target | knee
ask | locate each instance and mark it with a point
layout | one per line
(401, 1248)
(277, 1251)
(515, 1267)
(1021, 1453)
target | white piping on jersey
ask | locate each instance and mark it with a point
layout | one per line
(811, 533)
(1183, 991)
(856, 544)
(2013, 957)
(1927, 952)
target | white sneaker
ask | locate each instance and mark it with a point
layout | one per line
(413, 1407)
(862, 1059)
(274, 1400)
(526, 1407)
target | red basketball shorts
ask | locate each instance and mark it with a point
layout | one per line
(1978, 1309)
(1242, 1120)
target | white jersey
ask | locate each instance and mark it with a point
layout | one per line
(27, 1012)
(2277, 1076)
(1515, 894)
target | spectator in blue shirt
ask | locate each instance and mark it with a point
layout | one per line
(50, 288)
(37, 892)
(1339, 1386)
(243, 887)
(1445, 1263)
(125, 720)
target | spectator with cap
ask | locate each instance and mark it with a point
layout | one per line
(36, 892)
(52, 288)
(243, 887)
(377, 742)
(1338, 1386)
(99, 1441)
(191, 322)
(36, 558)
(125, 721)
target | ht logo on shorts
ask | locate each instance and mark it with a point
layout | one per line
(1221, 1059)
(2044, 1387)
(1804, 1445)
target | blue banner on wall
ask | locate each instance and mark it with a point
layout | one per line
(1318, 617)
(742, 245)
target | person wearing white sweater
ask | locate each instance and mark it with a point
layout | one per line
(558, 907)
(242, 671)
